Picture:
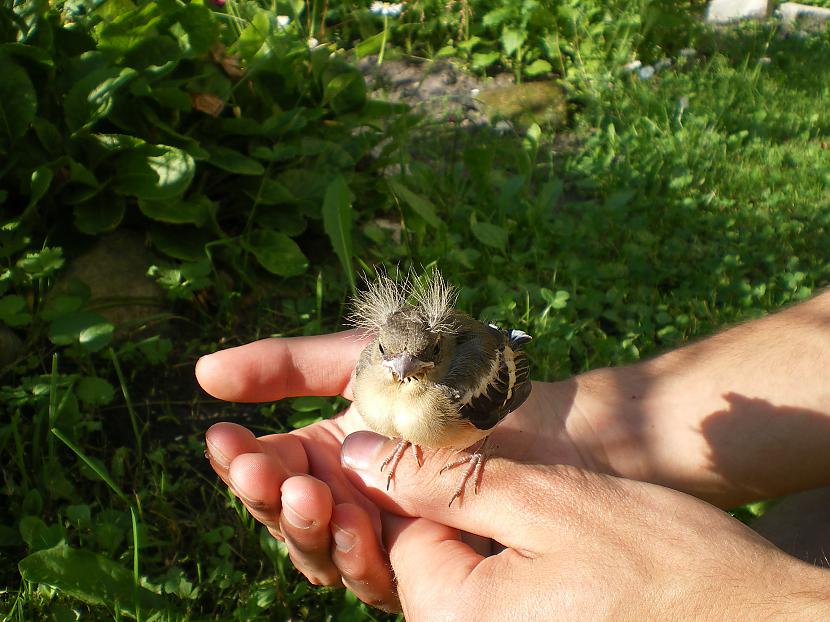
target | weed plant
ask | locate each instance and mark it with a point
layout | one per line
(251, 164)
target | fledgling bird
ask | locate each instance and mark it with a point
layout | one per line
(433, 376)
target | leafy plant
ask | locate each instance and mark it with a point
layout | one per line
(218, 136)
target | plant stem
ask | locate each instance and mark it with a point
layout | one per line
(383, 40)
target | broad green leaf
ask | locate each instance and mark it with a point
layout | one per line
(175, 582)
(38, 535)
(30, 52)
(80, 174)
(183, 243)
(18, 100)
(61, 304)
(558, 300)
(41, 180)
(267, 191)
(344, 88)
(276, 252)
(79, 514)
(117, 142)
(337, 222)
(302, 419)
(156, 349)
(538, 67)
(95, 337)
(285, 218)
(91, 578)
(422, 206)
(200, 30)
(232, 161)
(42, 263)
(183, 281)
(482, 60)
(308, 404)
(251, 39)
(13, 239)
(498, 16)
(152, 51)
(193, 210)
(511, 40)
(94, 391)
(490, 234)
(157, 172)
(127, 26)
(13, 311)
(48, 135)
(89, 329)
(92, 97)
(369, 45)
(100, 214)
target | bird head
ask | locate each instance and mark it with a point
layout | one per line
(408, 348)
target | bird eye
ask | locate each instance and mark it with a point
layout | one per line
(380, 347)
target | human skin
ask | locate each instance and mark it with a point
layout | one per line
(577, 545)
(739, 416)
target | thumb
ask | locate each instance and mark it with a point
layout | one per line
(415, 544)
(512, 500)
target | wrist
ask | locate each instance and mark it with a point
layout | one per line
(643, 423)
(607, 416)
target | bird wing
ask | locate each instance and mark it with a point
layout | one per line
(490, 374)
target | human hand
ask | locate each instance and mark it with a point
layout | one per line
(576, 545)
(339, 540)
(293, 483)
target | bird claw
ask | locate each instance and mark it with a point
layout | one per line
(475, 467)
(395, 457)
(474, 470)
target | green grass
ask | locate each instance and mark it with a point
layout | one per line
(665, 210)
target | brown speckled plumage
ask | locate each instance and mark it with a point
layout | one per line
(434, 376)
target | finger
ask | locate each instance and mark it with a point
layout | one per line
(305, 522)
(513, 499)
(256, 479)
(271, 369)
(359, 557)
(225, 441)
(416, 545)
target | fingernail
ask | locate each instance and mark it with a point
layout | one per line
(294, 518)
(362, 451)
(213, 454)
(343, 540)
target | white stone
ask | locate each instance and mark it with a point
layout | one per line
(794, 14)
(724, 11)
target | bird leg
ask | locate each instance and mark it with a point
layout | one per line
(474, 470)
(395, 457)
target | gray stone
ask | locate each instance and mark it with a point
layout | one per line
(10, 346)
(725, 11)
(795, 15)
(530, 102)
(115, 269)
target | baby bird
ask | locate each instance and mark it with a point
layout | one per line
(434, 376)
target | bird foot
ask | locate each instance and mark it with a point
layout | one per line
(395, 457)
(474, 471)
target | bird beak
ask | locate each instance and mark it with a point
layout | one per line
(404, 366)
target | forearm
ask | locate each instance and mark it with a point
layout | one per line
(739, 416)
